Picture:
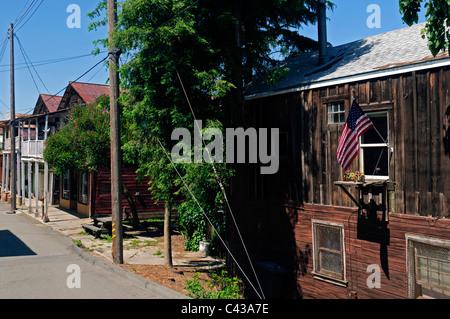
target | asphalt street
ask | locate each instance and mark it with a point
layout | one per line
(39, 262)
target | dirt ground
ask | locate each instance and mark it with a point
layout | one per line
(144, 256)
(171, 277)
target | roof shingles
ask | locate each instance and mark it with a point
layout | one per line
(395, 48)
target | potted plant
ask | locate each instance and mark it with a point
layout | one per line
(354, 176)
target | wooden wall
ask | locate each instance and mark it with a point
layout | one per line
(360, 253)
(418, 106)
(282, 233)
(276, 212)
(101, 193)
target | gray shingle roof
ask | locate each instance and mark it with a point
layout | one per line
(380, 52)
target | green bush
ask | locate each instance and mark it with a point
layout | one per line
(221, 286)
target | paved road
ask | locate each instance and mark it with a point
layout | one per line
(39, 262)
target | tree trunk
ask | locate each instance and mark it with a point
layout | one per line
(167, 236)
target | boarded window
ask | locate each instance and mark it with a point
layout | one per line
(336, 112)
(329, 257)
(429, 268)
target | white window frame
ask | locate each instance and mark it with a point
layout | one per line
(362, 146)
(410, 256)
(327, 276)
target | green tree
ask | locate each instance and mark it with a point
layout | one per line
(214, 49)
(438, 21)
(82, 141)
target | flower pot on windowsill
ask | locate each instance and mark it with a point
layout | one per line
(354, 176)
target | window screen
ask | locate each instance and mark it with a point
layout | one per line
(329, 250)
(430, 268)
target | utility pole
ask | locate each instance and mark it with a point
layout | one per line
(12, 125)
(116, 167)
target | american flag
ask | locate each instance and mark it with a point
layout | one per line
(357, 123)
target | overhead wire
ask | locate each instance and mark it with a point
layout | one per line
(206, 216)
(46, 62)
(18, 26)
(25, 56)
(29, 70)
(217, 178)
(222, 188)
(76, 80)
(17, 21)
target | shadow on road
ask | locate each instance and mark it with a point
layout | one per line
(11, 245)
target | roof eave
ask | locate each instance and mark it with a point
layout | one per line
(397, 70)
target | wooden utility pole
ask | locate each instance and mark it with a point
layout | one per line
(12, 125)
(116, 176)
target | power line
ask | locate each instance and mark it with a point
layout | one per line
(32, 77)
(46, 62)
(25, 56)
(3, 46)
(222, 188)
(56, 94)
(206, 216)
(17, 21)
(28, 10)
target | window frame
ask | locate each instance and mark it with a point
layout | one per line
(363, 146)
(317, 271)
(411, 258)
(342, 110)
(83, 197)
(65, 191)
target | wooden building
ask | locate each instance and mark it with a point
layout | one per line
(388, 237)
(88, 194)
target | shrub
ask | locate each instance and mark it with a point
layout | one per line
(221, 286)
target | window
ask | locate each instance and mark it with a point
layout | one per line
(65, 186)
(336, 113)
(328, 251)
(374, 151)
(83, 188)
(428, 267)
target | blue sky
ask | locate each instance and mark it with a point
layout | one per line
(46, 36)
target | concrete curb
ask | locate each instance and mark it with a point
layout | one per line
(164, 292)
(142, 282)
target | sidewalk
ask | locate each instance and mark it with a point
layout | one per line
(138, 248)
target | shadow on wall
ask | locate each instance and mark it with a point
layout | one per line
(446, 128)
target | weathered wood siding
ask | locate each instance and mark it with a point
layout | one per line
(277, 210)
(282, 233)
(418, 107)
(101, 193)
(390, 255)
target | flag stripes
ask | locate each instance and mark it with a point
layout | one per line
(357, 123)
